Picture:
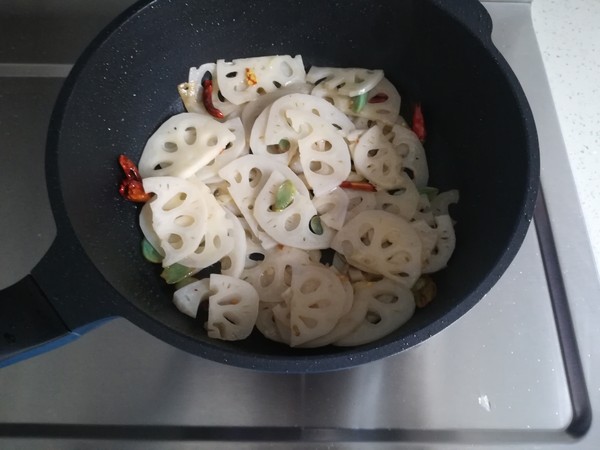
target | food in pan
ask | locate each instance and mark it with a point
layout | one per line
(301, 198)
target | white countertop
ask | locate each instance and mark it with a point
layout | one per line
(568, 33)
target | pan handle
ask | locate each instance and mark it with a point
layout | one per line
(36, 317)
(29, 324)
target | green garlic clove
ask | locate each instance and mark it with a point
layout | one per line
(315, 225)
(359, 102)
(150, 253)
(430, 192)
(285, 195)
(284, 145)
(175, 273)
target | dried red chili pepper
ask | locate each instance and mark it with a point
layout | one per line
(131, 187)
(207, 89)
(379, 98)
(358, 186)
(418, 122)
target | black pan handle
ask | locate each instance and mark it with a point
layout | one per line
(44, 310)
(28, 319)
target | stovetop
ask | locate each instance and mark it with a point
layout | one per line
(517, 370)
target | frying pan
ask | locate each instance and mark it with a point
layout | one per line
(481, 140)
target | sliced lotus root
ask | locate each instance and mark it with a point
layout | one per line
(188, 298)
(332, 207)
(221, 103)
(324, 154)
(407, 144)
(282, 151)
(246, 177)
(346, 325)
(253, 109)
(238, 147)
(402, 202)
(345, 81)
(444, 246)
(219, 238)
(382, 104)
(244, 80)
(382, 243)
(441, 202)
(378, 160)
(272, 276)
(294, 225)
(145, 221)
(179, 213)
(389, 306)
(359, 201)
(266, 323)
(317, 300)
(278, 127)
(233, 263)
(232, 308)
(183, 145)
(428, 236)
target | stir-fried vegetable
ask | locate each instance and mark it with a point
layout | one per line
(284, 195)
(131, 187)
(418, 122)
(176, 273)
(207, 90)
(308, 192)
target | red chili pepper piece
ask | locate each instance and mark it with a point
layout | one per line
(418, 123)
(358, 186)
(131, 187)
(207, 89)
(379, 98)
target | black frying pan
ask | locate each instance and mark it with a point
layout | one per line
(481, 140)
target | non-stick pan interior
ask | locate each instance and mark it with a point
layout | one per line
(479, 133)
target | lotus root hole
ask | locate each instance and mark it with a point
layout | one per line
(254, 176)
(175, 241)
(387, 298)
(310, 286)
(184, 221)
(373, 317)
(320, 167)
(170, 147)
(212, 140)
(292, 222)
(228, 301)
(190, 135)
(175, 201)
(267, 277)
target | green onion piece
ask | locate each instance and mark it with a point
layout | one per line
(430, 192)
(150, 253)
(359, 102)
(315, 225)
(176, 273)
(285, 195)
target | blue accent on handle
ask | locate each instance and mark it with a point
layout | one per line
(53, 344)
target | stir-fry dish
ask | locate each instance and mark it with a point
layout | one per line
(304, 193)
